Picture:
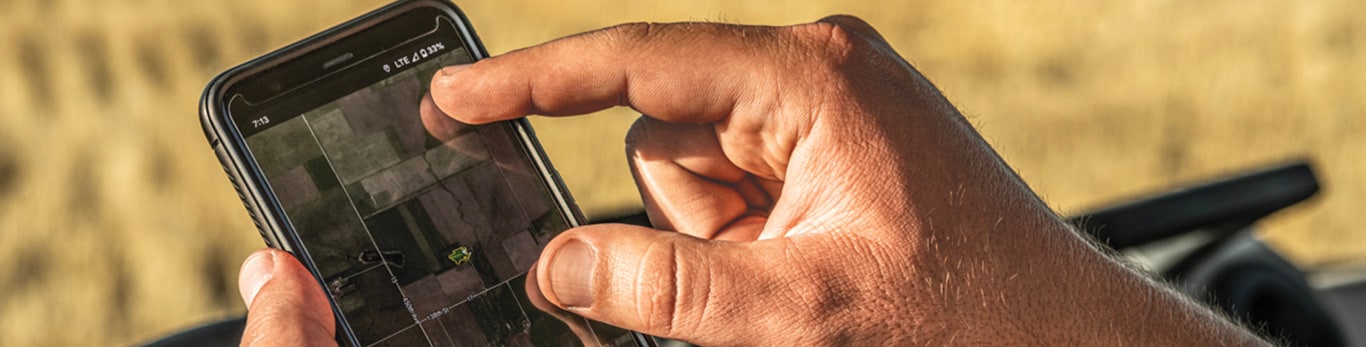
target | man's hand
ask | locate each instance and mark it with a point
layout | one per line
(285, 305)
(820, 190)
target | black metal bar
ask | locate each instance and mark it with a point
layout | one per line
(1242, 198)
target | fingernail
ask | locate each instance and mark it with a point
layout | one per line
(256, 271)
(571, 274)
(451, 70)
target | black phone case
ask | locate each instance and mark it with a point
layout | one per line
(246, 178)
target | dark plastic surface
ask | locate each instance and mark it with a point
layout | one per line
(1251, 282)
(1240, 199)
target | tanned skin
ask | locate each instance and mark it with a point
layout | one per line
(808, 186)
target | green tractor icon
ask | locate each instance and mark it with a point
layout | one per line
(460, 255)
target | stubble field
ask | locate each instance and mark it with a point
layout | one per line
(117, 225)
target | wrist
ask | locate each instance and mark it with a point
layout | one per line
(1105, 302)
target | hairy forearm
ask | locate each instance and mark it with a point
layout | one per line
(1141, 309)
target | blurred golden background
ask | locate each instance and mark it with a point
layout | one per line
(117, 225)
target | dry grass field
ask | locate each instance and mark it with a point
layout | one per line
(116, 224)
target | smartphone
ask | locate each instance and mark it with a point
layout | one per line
(419, 228)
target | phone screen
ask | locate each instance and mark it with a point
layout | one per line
(419, 237)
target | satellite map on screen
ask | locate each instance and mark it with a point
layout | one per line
(420, 240)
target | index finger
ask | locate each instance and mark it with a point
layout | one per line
(684, 73)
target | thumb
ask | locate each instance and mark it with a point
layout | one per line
(285, 305)
(668, 284)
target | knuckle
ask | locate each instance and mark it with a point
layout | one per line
(654, 140)
(851, 22)
(819, 292)
(637, 136)
(836, 43)
(658, 302)
(639, 146)
(627, 34)
(824, 291)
